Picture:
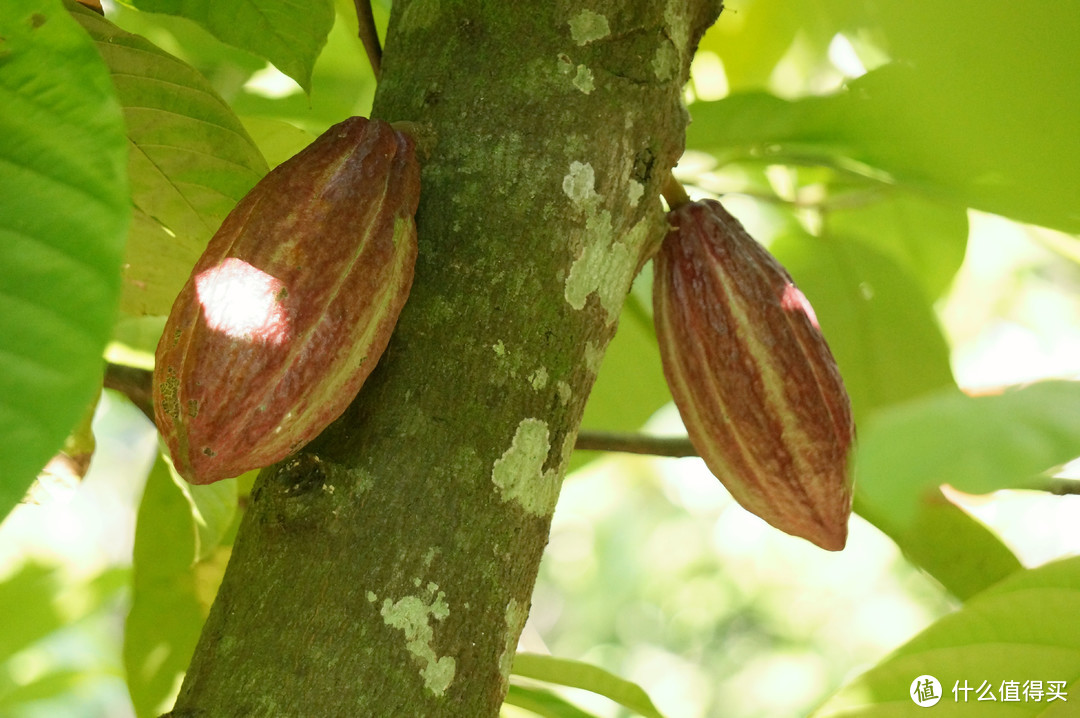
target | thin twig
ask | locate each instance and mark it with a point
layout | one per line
(368, 35)
(635, 444)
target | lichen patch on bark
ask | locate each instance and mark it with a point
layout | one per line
(588, 26)
(412, 615)
(519, 474)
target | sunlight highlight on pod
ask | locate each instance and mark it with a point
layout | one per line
(244, 302)
(793, 300)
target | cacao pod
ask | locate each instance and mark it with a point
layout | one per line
(752, 376)
(287, 311)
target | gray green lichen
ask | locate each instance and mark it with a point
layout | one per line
(588, 26)
(606, 265)
(412, 615)
(583, 80)
(538, 379)
(515, 616)
(518, 474)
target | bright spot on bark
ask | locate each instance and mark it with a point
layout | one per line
(515, 616)
(583, 80)
(412, 615)
(606, 264)
(579, 184)
(499, 348)
(793, 300)
(243, 302)
(518, 474)
(634, 191)
(539, 379)
(588, 26)
(564, 391)
(594, 356)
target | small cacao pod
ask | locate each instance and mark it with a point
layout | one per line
(289, 308)
(752, 376)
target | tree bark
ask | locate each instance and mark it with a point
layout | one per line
(386, 570)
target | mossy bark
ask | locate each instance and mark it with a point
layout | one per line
(387, 569)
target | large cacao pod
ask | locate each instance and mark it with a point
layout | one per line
(287, 311)
(752, 376)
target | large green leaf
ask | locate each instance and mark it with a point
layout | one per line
(191, 161)
(973, 111)
(166, 615)
(64, 212)
(926, 237)
(288, 34)
(975, 444)
(1025, 628)
(576, 674)
(876, 317)
(543, 703)
(962, 554)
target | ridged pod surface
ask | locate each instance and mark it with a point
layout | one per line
(291, 305)
(752, 376)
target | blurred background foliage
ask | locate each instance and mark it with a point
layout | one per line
(913, 165)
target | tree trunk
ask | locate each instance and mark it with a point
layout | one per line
(387, 569)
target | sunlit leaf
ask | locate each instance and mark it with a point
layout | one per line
(939, 133)
(64, 212)
(213, 508)
(277, 140)
(1025, 628)
(191, 161)
(956, 549)
(50, 685)
(165, 618)
(575, 674)
(543, 703)
(975, 444)
(288, 34)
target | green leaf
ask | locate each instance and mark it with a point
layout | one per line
(576, 674)
(543, 703)
(926, 237)
(956, 549)
(165, 618)
(213, 508)
(277, 140)
(191, 161)
(975, 444)
(51, 684)
(26, 602)
(1025, 628)
(942, 133)
(64, 211)
(875, 316)
(288, 34)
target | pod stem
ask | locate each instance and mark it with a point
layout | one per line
(674, 193)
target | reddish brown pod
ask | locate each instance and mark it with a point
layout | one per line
(753, 378)
(289, 308)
